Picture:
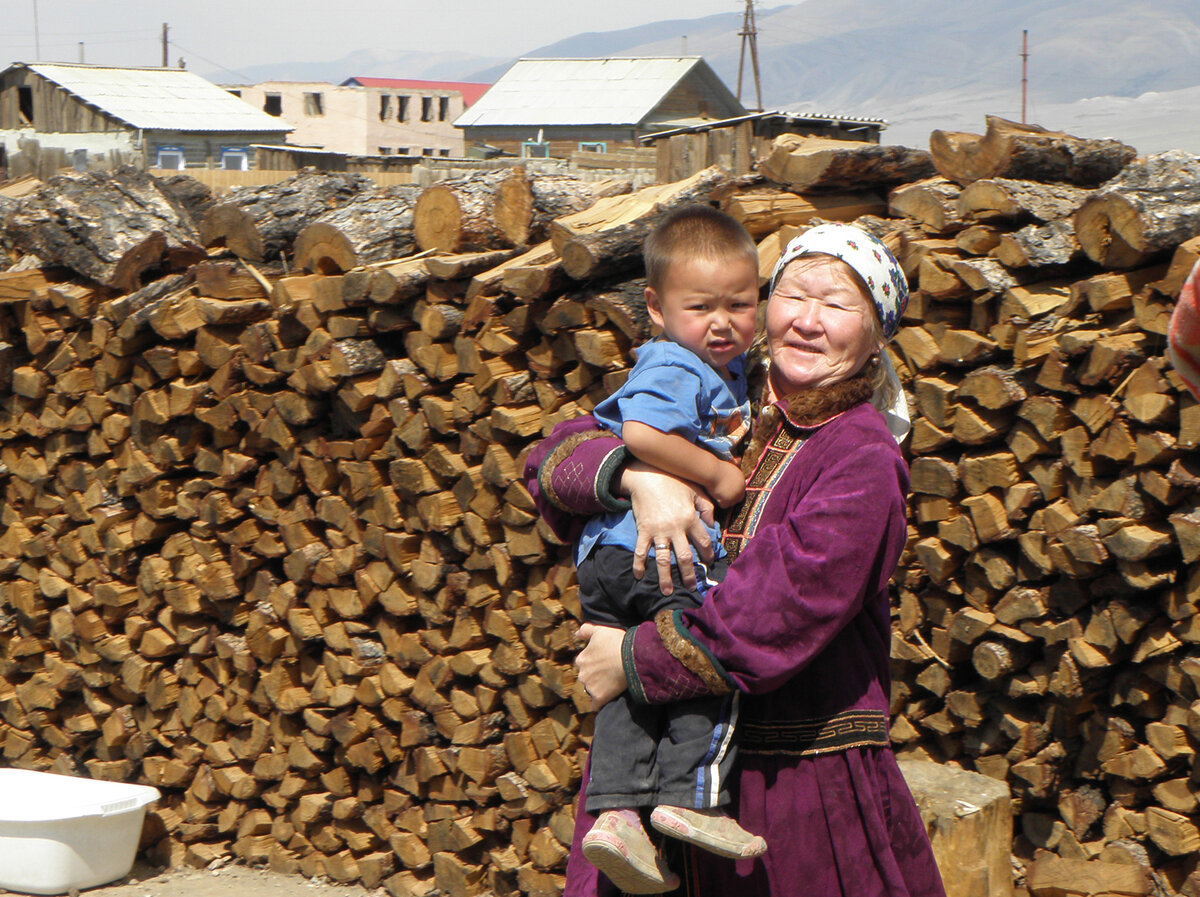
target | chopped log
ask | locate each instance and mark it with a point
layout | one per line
(807, 163)
(374, 226)
(110, 227)
(557, 196)
(193, 195)
(259, 223)
(1012, 150)
(932, 202)
(1010, 199)
(468, 214)
(610, 233)
(1151, 206)
(766, 213)
(1040, 246)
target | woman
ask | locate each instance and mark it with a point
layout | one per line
(801, 624)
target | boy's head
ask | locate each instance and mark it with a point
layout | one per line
(702, 282)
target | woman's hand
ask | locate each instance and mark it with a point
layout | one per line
(670, 515)
(599, 663)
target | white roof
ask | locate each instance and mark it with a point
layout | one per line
(158, 99)
(611, 90)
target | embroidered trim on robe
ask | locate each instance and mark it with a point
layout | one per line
(563, 451)
(810, 737)
(683, 647)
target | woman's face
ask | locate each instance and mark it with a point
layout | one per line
(820, 325)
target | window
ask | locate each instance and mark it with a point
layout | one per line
(235, 158)
(385, 151)
(531, 149)
(402, 151)
(426, 108)
(25, 103)
(401, 108)
(273, 104)
(314, 103)
(427, 151)
(170, 158)
(235, 91)
(443, 108)
(593, 147)
(444, 152)
(385, 106)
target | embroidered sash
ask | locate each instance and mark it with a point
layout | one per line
(810, 737)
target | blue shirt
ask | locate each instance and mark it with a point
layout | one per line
(671, 389)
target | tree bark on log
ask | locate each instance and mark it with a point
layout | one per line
(1039, 245)
(556, 196)
(1008, 199)
(476, 213)
(611, 232)
(195, 197)
(259, 223)
(110, 227)
(372, 227)
(810, 163)
(1152, 206)
(1013, 150)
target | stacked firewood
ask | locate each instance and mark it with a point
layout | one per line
(265, 545)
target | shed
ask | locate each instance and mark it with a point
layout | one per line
(736, 143)
(555, 107)
(55, 115)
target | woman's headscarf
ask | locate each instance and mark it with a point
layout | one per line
(1183, 334)
(879, 270)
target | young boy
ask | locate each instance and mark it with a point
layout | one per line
(683, 409)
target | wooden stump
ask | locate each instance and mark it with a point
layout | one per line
(969, 820)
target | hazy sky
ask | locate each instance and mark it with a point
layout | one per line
(212, 34)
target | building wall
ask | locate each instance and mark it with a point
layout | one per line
(562, 141)
(690, 100)
(54, 109)
(364, 121)
(210, 150)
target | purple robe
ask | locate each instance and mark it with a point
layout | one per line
(801, 625)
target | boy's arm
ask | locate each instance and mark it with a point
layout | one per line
(679, 456)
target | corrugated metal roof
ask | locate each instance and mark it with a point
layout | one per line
(610, 91)
(689, 127)
(158, 99)
(470, 90)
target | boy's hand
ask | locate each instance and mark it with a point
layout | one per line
(728, 486)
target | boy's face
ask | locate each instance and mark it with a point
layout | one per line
(708, 306)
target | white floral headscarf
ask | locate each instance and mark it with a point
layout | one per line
(884, 277)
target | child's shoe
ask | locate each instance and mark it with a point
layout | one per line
(619, 847)
(710, 829)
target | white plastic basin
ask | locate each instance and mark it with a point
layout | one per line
(61, 832)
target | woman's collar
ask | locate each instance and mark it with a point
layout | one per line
(809, 408)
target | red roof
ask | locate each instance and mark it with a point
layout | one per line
(470, 91)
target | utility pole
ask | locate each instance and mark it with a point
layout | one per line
(749, 35)
(1024, 70)
(81, 51)
(166, 43)
(37, 37)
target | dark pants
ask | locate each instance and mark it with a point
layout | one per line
(678, 754)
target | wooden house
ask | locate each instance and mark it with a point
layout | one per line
(556, 107)
(56, 115)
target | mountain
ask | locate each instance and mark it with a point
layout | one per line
(378, 63)
(1096, 68)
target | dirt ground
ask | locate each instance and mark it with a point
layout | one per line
(229, 880)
